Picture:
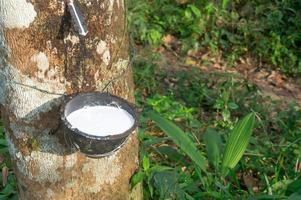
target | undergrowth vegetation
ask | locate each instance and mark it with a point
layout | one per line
(211, 135)
(267, 30)
(7, 179)
(206, 109)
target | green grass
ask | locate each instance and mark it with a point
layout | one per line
(7, 179)
(268, 31)
(193, 142)
(206, 108)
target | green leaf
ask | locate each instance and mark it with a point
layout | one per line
(213, 142)
(146, 163)
(14, 197)
(281, 185)
(181, 139)
(8, 190)
(226, 114)
(154, 141)
(238, 142)
(293, 187)
(233, 106)
(225, 3)
(137, 178)
(195, 10)
(296, 195)
(160, 168)
(188, 197)
(172, 154)
(3, 142)
(167, 185)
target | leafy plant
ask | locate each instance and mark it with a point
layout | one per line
(8, 186)
(170, 108)
(268, 30)
(214, 146)
(180, 138)
(235, 146)
(271, 161)
(237, 142)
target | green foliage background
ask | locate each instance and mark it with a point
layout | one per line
(206, 108)
(190, 120)
(267, 30)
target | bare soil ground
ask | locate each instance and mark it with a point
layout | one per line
(270, 82)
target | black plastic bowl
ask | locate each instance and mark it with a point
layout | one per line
(95, 146)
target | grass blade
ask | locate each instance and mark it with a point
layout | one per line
(225, 4)
(180, 138)
(238, 142)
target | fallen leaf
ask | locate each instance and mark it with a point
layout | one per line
(251, 182)
(190, 61)
(168, 39)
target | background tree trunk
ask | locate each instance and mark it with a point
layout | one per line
(42, 57)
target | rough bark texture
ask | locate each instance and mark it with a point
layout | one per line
(41, 57)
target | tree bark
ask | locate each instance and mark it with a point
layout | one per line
(42, 58)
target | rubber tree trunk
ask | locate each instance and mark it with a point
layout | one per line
(41, 58)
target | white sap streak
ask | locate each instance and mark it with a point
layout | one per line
(101, 120)
(16, 14)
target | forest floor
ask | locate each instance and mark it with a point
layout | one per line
(272, 83)
(198, 92)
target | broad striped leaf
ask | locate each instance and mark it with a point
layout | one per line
(238, 142)
(180, 138)
(213, 142)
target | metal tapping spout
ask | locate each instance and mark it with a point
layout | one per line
(78, 20)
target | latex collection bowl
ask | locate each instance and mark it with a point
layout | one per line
(92, 145)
